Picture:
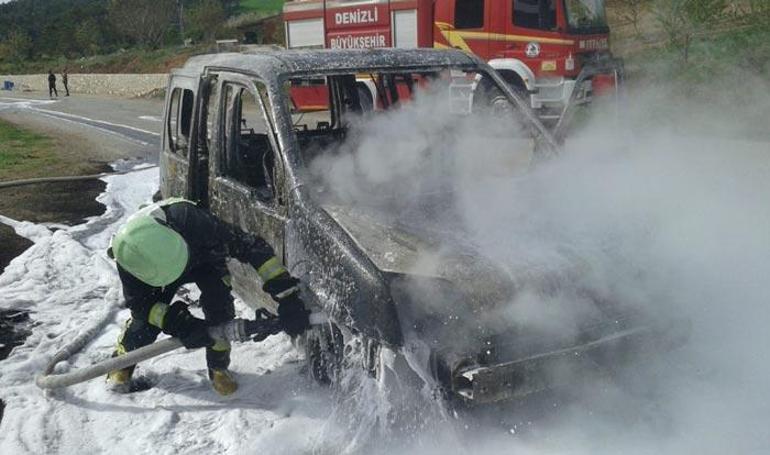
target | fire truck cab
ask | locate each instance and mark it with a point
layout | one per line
(555, 52)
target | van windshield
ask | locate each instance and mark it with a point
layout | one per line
(586, 16)
(402, 141)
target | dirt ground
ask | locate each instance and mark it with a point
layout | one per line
(13, 245)
(64, 203)
(69, 203)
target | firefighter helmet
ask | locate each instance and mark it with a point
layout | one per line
(151, 251)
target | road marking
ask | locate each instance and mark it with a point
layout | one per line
(80, 117)
(101, 129)
(103, 126)
(29, 104)
(151, 118)
(28, 100)
(21, 103)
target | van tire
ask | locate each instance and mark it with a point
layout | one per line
(323, 353)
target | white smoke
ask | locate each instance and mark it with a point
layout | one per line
(667, 218)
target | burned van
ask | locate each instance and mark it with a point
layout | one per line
(352, 164)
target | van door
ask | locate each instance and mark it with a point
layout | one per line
(178, 139)
(206, 126)
(246, 171)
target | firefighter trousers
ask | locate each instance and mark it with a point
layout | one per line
(216, 302)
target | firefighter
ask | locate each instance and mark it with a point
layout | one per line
(65, 82)
(174, 242)
(52, 85)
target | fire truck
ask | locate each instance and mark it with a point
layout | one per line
(555, 53)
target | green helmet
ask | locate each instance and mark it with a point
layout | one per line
(150, 251)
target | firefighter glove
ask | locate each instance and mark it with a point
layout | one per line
(280, 286)
(191, 331)
(292, 315)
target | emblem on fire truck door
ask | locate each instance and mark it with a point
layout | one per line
(532, 50)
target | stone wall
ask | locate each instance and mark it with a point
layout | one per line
(128, 85)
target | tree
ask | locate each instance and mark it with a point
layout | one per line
(759, 12)
(16, 46)
(143, 21)
(631, 11)
(681, 20)
(205, 19)
(88, 37)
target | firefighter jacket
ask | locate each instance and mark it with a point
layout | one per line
(210, 242)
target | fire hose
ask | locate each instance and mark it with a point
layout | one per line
(237, 330)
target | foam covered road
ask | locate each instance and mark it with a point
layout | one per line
(68, 284)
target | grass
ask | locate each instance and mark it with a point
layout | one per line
(24, 153)
(262, 6)
(723, 87)
(27, 154)
(729, 53)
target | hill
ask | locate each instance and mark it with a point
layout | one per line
(261, 6)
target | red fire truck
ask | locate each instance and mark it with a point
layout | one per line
(556, 52)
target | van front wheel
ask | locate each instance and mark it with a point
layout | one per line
(323, 353)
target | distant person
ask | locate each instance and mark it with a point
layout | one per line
(52, 84)
(65, 80)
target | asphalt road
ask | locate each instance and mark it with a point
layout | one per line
(128, 128)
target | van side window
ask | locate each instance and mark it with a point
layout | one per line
(535, 14)
(249, 157)
(180, 120)
(469, 14)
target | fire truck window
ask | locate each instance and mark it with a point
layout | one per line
(536, 14)
(180, 120)
(469, 14)
(249, 157)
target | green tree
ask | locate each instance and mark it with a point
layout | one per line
(682, 20)
(146, 22)
(88, 37)
(632, 11)
(205, 19)
(17, 46)
(759, 12)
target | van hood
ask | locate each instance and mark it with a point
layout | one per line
(430, 252)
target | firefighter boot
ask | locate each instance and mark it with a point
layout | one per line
(218, 359)
(120, 380)
(222, 381)
(120, 377)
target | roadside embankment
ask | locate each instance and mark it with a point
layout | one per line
(25, 154)
(124, 85)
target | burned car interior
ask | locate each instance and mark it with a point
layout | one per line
(249, 154)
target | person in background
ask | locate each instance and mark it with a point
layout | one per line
(52, 84)
(65, 81)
